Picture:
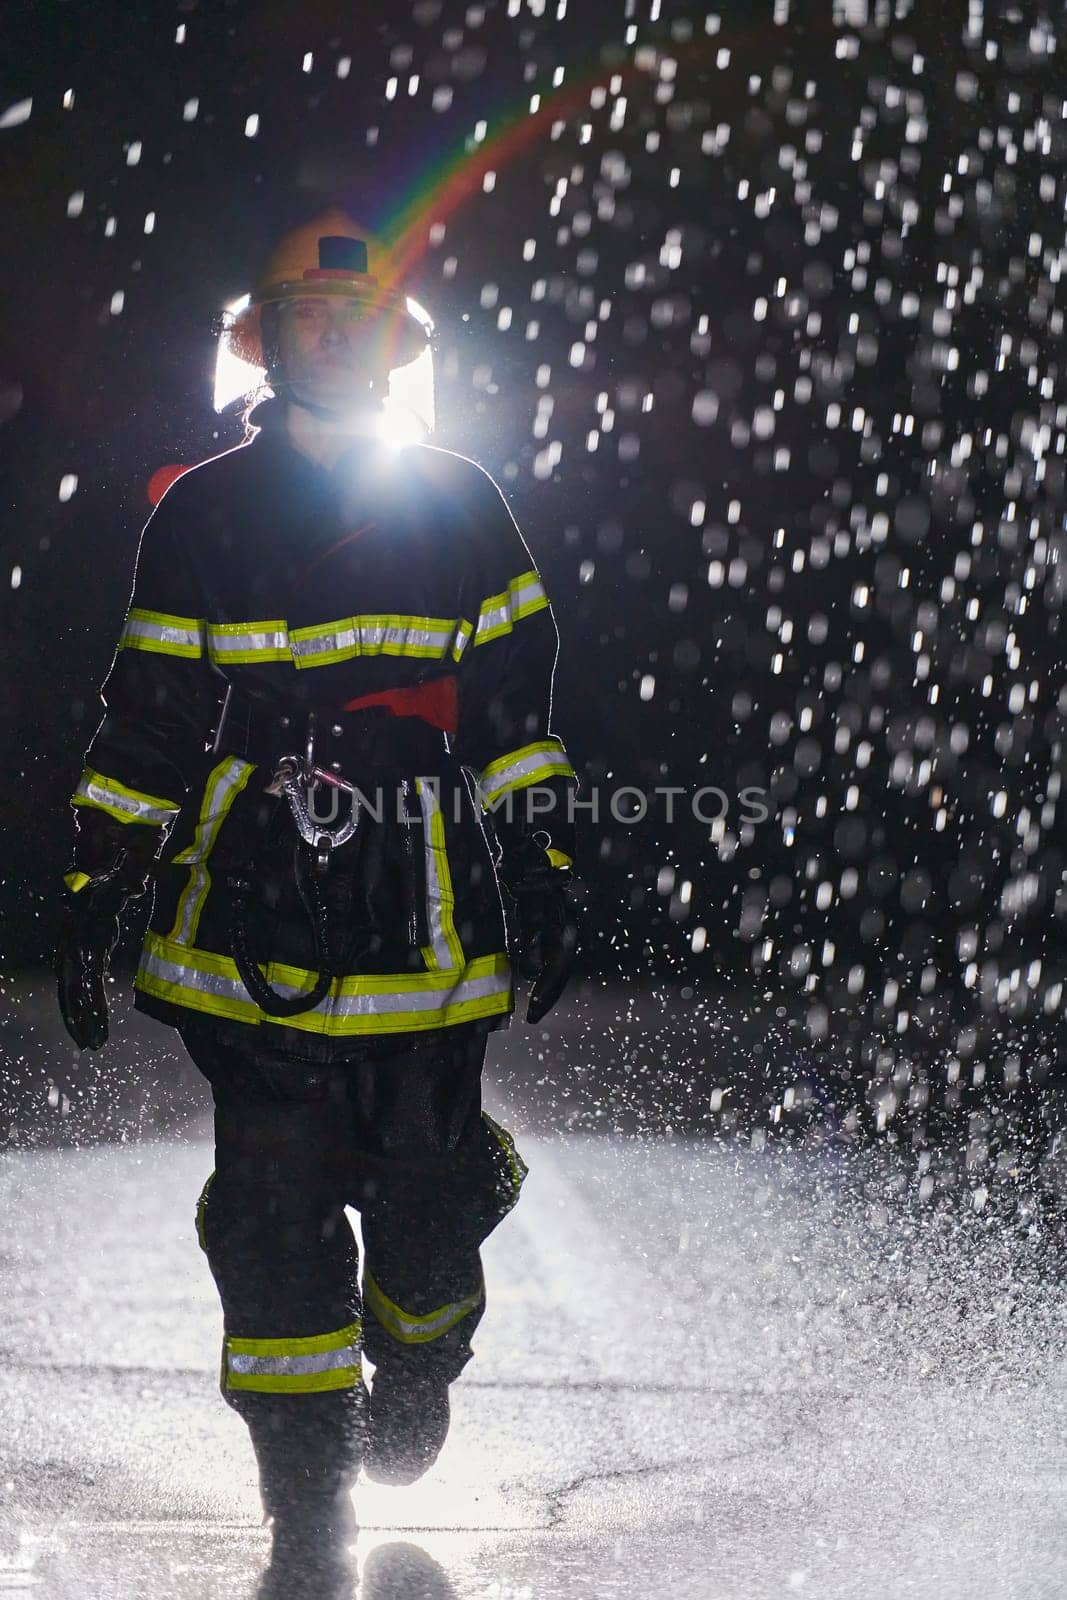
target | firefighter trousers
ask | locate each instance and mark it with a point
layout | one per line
(402, 1138)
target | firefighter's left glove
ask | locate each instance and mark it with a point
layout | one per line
(88, 932)
(549, 927)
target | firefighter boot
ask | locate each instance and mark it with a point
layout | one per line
(307, 1470)
(311, 1541)
(409, 1418)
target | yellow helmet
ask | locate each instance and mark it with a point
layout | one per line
(330, 255)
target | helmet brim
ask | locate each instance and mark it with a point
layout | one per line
(407, 337)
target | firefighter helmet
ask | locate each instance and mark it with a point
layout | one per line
(331, 255)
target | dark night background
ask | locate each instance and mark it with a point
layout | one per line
(809, 274)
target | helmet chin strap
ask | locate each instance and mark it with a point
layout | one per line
(339, 413)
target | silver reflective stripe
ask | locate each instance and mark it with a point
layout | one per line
(370, 638)
(346, 1005)
(252, 641)
(491, 619)
(304, 1365)
(500, 611)
(169, 635)
(463, 633)
(355, 1005)
(411, 1329)
(527, 594)
(323, 643)
(115, 797)
(215, 983)
(325, 1361)
(223, 786)
(273, 641)
(543, 761)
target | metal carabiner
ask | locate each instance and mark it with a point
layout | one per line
(295, 778)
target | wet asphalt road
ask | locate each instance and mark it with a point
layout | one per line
(702, 1373)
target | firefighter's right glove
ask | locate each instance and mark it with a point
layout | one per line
(548, 924)
(89, 931)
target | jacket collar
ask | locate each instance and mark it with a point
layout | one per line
(269, 417)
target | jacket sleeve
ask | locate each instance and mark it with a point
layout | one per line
(160, 697)
(507, 646)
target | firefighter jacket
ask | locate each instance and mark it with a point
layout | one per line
(392, 605)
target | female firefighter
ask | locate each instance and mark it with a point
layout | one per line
(320, 616)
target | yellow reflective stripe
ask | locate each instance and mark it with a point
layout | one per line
(523, 596)
(193, 997)
(201, 1209)
(375, 634)
(221, 788)
(519, 1170)
(296, 1382)
(126, 805)
(538, 747)
(386, 634)
(383, 985)
(244, 643)
(223, 785)
(464, 629)
(557, 768)
(408, 1328)
(521, 768)
(76, 881)
(307, 1365)
(158, 631)
(444, 950)
(526, 595)
(200, 980)
(558, 859)
(311, 1344)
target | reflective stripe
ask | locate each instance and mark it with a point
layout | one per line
(183, 976)
(246, 642)
(523, 596)
(444, 950)
(127, 805)
(464, 629)
(519, 1170)
(164, 634)
(203, 981)
(407, 1327)
(201, 1211)
(520, 768)
(223, 786)
(371, 636)
(296, 1366)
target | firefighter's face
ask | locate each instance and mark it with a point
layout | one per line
(332, 349)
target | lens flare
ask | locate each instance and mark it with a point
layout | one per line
(408, 413)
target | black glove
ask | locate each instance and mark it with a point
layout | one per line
(549, 928)
(89, 930)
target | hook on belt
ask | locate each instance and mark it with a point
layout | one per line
(295, 777)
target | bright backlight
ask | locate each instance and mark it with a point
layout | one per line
(408, 408)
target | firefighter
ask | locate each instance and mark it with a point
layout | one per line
(326, 746)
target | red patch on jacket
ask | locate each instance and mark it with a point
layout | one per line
(161, 480)
(436, 703)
